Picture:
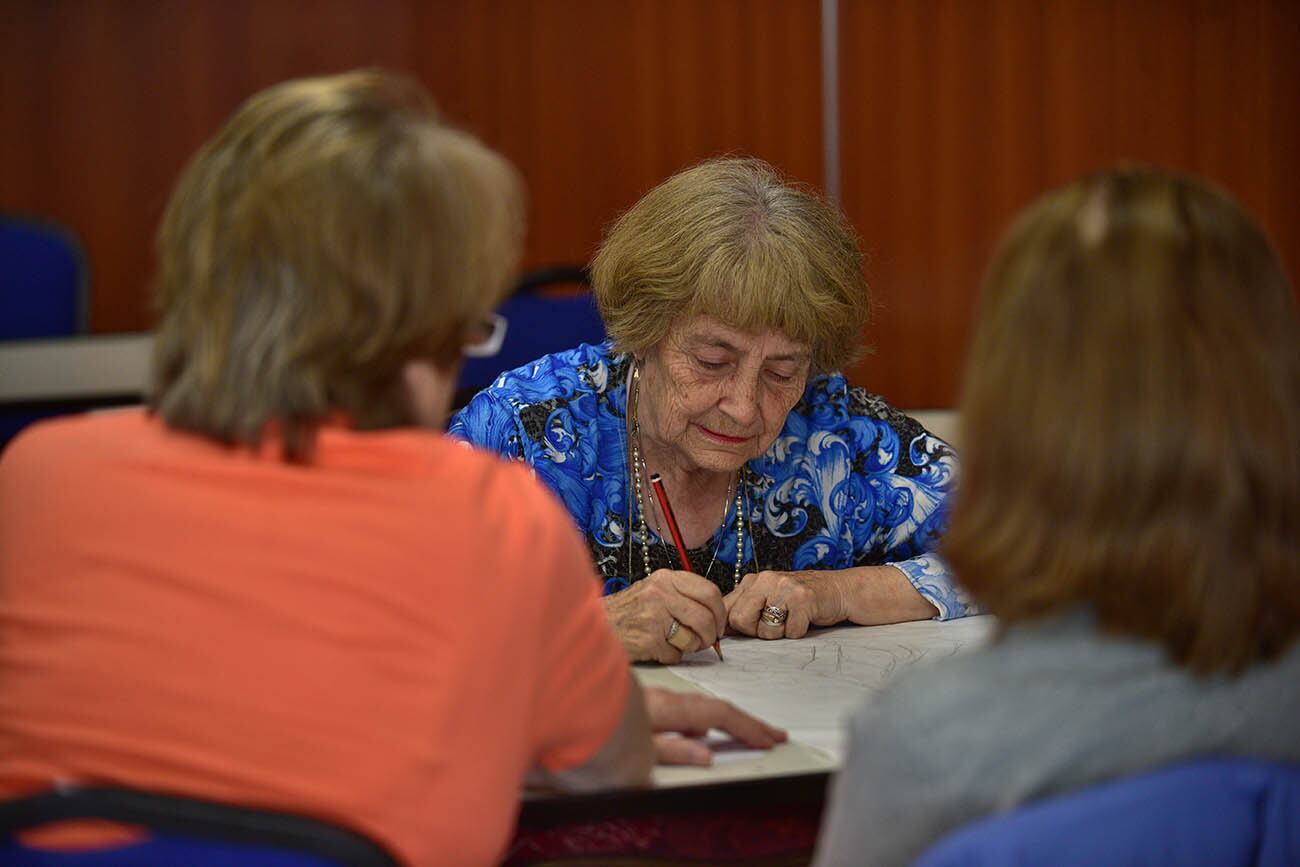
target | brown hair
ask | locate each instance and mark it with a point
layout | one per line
(332, 231)
(729, 239)
(1131, 422)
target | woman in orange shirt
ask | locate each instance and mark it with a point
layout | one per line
(277, 587)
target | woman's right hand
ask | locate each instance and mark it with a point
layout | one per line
(643, 614)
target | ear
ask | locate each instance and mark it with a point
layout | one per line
(429, 391)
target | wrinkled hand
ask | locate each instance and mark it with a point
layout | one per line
(643, 613)
(674, 714)
(811, 598)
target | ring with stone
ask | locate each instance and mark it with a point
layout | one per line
(774, 616)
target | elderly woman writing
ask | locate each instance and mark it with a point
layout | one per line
(731, 300)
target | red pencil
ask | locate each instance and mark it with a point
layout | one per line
(657, 485)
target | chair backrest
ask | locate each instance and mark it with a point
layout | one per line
(1226, 812)
(42, 280)
(42, 294)
(537, 324)
(182, 831)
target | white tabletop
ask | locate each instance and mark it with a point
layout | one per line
(808, 686)
(71, 368)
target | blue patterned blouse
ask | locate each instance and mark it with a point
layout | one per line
(850, 481)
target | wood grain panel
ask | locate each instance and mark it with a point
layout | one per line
(596, 101)
(956, 115)
(103, 102)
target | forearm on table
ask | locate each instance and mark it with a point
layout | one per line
(882, 594)
(623, 761)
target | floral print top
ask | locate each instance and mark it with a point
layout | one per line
(849, 481)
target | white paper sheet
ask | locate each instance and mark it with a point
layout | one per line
(810, 686)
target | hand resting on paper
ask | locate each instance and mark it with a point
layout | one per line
(673, 714)
(866, 595)
(678, 722)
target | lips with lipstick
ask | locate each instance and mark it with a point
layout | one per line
(721, 437)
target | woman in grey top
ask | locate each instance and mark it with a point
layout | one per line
(1130, 510)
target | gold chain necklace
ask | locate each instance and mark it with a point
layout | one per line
(637, 467)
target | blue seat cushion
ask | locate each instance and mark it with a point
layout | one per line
(1225, 812)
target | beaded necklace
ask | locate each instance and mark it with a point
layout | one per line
(638, 465)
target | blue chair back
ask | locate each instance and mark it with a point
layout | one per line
(42, 280)
(1225, 812)
(182, 831)
(537, 324)
(42, 294)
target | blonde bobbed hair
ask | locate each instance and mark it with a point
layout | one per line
(333, 230)
(728, 238)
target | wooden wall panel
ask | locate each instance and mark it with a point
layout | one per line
(597, 101)
(956, 115)
(101, 104)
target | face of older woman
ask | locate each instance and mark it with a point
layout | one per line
(717, 396)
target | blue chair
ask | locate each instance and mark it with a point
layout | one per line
(538, 324)
(1222, 812)
(42, 294)
(42, 280)
(182, 831)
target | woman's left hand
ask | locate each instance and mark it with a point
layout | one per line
(807, 598)
(867, 595)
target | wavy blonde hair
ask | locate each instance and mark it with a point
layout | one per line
(333, 230)
(728, 238)
(1131, 422)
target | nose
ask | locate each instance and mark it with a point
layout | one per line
(740, 402)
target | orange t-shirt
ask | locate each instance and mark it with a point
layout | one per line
(386, 638)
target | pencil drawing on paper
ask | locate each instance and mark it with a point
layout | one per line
(810, 685)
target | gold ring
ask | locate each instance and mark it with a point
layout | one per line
(679, 636)
(774, 616)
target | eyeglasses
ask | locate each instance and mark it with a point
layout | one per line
(486, 337)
